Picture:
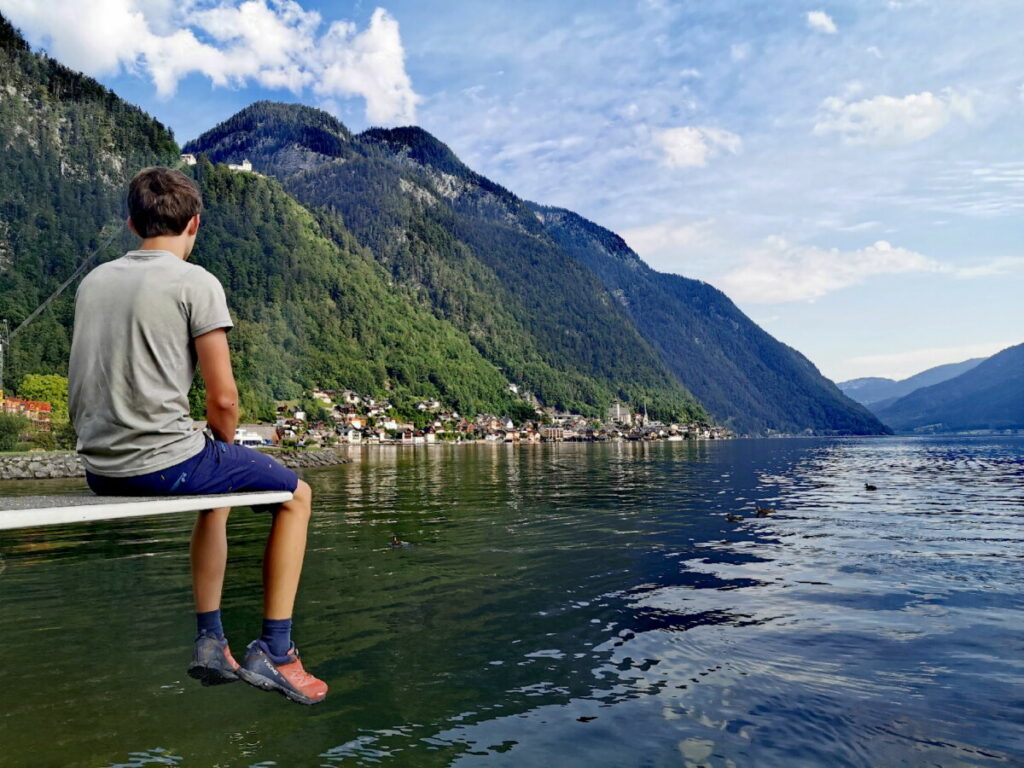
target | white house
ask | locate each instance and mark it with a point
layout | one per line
(188, 159)
(322, 396)
(351, 435)
(245, 165)
(349, 397)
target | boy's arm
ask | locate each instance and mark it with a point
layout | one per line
(221, 391)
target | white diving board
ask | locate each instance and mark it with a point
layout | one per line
(31, 511)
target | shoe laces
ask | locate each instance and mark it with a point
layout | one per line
(300, 671)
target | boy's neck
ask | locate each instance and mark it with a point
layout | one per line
(176, 244)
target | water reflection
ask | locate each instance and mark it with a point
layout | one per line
(571, 604)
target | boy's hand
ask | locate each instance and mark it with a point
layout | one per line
(221, 391)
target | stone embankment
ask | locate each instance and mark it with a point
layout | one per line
(45, 466)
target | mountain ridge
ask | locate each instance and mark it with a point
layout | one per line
(480, 259)
(421, 210)
(988, 396)
(877, 392)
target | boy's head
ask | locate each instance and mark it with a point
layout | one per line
(164, 202)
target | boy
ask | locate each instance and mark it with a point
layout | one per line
(142, 322)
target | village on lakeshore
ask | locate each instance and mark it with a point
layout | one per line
(346, 417)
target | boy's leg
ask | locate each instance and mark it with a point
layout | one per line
(282, 566)
(212, 662)
(286, 547)
(208, 552)
(272, 660)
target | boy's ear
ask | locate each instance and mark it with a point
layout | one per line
(193, 225)
(131, 227)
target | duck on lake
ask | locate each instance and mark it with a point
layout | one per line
(870, 487)
(732, 518)
(764, 511)
(397, 542)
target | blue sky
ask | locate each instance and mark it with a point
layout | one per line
(851, 174)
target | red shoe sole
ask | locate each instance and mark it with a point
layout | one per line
(266, 684)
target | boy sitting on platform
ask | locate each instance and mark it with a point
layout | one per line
(142, 322)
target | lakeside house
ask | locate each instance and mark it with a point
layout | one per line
(35, 411)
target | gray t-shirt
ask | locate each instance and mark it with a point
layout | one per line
(133, 360)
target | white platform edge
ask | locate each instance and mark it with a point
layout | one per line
(107, 508)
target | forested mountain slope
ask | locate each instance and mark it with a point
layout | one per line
(989, 396)
(312, 306)
(475, 253)
(877, 393)
(521, 278)
(742, 375)
(67, 149)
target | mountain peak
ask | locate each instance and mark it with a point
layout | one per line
(419, 145)
(277, 137)
(10, 37)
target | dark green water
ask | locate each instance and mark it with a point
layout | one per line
(550, 583)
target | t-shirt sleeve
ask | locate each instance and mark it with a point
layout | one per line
(206, 304)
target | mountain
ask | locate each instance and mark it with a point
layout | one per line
(742, 375)
(988, 396)
(377, 261)
(543, 293)
(312, 306)
(878, 393)
(474, 253)
(69, 146)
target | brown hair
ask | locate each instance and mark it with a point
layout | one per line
(161, 201)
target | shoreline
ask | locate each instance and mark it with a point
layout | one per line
(63, 465)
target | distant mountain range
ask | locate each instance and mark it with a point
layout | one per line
(380, 262)
(988, 396)
(878, 393)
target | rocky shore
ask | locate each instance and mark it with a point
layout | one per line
(47, 466)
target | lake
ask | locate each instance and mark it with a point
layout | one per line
(573, 604)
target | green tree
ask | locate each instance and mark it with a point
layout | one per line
(47, 388)
(11, 427)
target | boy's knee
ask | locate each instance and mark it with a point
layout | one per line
(304, 495)
(303, 492)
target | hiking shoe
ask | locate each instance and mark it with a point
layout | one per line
(212, 662)
(288, 678)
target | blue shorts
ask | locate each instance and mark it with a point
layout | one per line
(219, 468)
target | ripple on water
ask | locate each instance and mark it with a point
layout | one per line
(575, 604)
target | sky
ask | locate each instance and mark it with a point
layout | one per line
(851, 174)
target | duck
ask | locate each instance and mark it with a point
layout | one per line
(870, 487)
(764, 511)
(733, 518)
(397, 542)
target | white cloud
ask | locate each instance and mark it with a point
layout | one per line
(901, 365)
(779, 271)
(775, 270)
(887, 120)
(1001, 265)
(821, 22)
(692, 146)
(739, 51)
(669, 236)
(370, 63)
(274, 43)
